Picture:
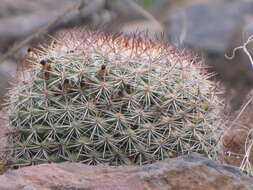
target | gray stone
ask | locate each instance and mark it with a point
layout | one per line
(169, 174)
(208, 25)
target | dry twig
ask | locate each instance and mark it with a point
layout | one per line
(245, 164)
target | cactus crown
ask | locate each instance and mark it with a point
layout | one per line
(107, 98)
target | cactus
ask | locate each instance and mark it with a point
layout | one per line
(97, 98)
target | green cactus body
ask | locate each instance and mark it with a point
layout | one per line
(122, 100)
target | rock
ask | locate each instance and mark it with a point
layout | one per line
(192, 172)
(209, 25)
(10, 8)
(130, 19)
(216, 28)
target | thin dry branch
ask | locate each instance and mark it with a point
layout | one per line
(244, 48)
(245, 164)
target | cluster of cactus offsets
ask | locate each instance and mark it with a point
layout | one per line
(108, 98)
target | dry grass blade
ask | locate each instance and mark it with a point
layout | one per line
(246, 165)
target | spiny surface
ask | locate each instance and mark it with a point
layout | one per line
(100, 98)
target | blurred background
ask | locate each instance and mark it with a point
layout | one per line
(209, 28)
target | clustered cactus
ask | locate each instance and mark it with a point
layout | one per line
(95, 98)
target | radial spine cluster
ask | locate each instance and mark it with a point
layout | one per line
(95, 98)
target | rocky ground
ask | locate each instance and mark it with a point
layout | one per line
(191, 172)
